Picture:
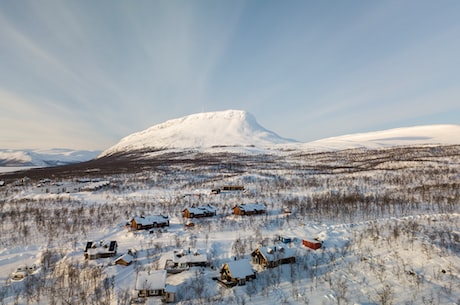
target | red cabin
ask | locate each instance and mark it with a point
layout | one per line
(311, 245)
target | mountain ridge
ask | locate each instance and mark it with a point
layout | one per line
(239, 129)
(234, 131)
(437, 134)
(202, 130)
(44, 158)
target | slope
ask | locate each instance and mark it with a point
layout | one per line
(405, 136)
(202, 130)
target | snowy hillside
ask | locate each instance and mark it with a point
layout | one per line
(224, 128)
(387, 221)
(406, 136)
(41, 158)
(232, 129)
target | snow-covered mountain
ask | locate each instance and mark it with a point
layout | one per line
(405, 136)
(236, 128)
(202, 130)
(42, 158)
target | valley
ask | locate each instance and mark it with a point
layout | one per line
(388, 221)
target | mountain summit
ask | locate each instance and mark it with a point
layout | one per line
(202, 130)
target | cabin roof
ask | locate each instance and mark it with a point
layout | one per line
(126, 257)
(202, 209)
(103, 246)
(240, 268)
(153, 280)
(189, 256)
(275, 253)
(147, 220)
(252, 207)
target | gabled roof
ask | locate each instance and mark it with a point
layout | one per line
(240, 268)
(202, 209)
(189, 256)
(148, 220)
(153, 280)
(103, 246)
(251, 207)
(276, 253)
(125, 257)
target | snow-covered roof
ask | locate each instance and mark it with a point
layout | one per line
(92, 186)
(103, 246)
(202, 209)
(153, 280)
(147, 220)
(126, 257)
(189, 256)
(252, 207)
(275, 253)
(240, 268)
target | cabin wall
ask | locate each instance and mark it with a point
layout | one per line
(311, 245)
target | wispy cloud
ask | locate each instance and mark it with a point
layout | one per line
(108, 68)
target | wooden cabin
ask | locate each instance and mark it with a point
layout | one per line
(311, 244)
(151, 283)
(274, 256)
(237, 272)
(148, 222)
(200, 211)
(189, 258)
(249, 209)
(232, 188)
(124, 260)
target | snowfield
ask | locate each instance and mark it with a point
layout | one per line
(239, 130)
(388, 221)
(383, 208)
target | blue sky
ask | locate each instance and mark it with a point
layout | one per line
(84, 74)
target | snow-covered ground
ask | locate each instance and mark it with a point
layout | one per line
(388, 221)
(386, 261)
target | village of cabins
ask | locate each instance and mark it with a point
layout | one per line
(232, 273)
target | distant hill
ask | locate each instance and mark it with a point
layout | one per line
(43, 158)
(405, 136)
